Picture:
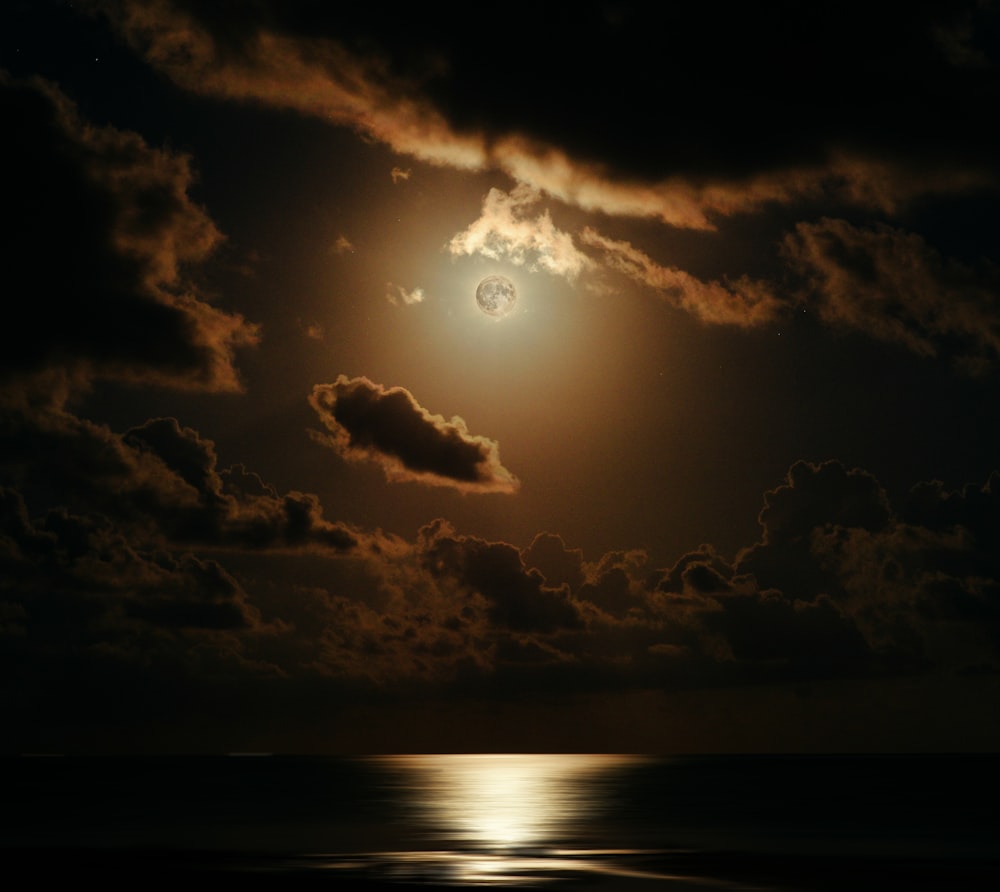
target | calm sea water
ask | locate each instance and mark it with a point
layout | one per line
(572, 821)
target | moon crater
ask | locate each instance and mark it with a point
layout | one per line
(496, 296)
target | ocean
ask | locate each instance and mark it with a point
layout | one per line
(572, 821)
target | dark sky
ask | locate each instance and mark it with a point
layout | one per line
(726, 479)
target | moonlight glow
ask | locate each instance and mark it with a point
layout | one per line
(496, 296)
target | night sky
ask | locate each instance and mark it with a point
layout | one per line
(726, 479)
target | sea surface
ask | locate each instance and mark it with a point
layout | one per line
(600, 822)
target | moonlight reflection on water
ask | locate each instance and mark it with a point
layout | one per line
(497, 819)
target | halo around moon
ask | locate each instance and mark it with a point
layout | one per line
(496, 296)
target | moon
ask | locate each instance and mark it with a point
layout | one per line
(496, 296)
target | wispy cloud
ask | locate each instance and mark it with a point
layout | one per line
(397, 294)
(411, 109)
(342, 245)
(894, 286)
(744, 302)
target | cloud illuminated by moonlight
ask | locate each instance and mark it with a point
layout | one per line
(369, 422)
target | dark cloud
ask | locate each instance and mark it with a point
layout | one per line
(102, 226)
(559, 564)
(226, 515)
(894, 286)
(517, 596)
(918, 582)
(369, 422)
(873, 594)
(78, 580)
(161, 480)
(701, 572)
(796, 639)
(816, 495)
(815, 498)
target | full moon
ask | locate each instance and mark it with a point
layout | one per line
(496, 296)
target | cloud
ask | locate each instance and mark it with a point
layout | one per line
(517, 596)
(893, 286)
(815, 495)
(161, 482)
(744, 303)
(875, 137)
(238, 59)
(400, 174)
(919, 582)
(505, 232)
(312, 330)
(369, 422)
(838, 586)
(397, 294)
(64, 566)
(105, 228)
(806, 639)
(108, 609)
(342, 245)
(557, 563)
(224, 513)
(555, 121)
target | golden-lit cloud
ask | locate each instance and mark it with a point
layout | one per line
(315, 76)
(369, 422)
(505, 231)
(410, 109)
(698, 202)
(397, 294)
(744, 302)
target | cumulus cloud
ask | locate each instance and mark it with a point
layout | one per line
(894, 286)
(64, 565)
(105, 228)
(226, 514)
(815, 495)
(505, 231)
(162, 481)
(559, 564)
(369, 422)
(874, 591)
(918, 581)
(517, 596)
